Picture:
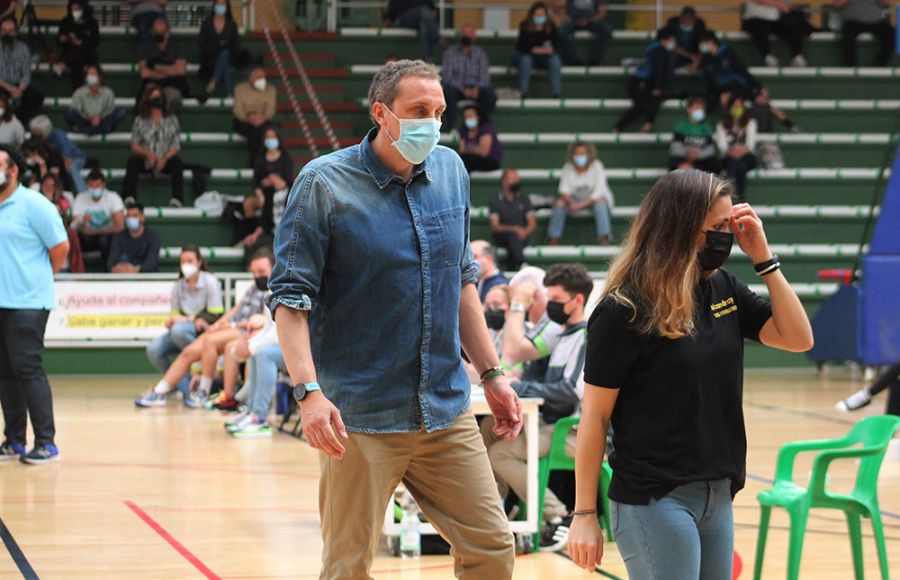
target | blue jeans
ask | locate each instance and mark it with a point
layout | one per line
(421, 19)
(567, 30)
(75, 172)
(688, 533)
(558, 220)
(223, 74)
(162, 348)
(550, 62)
(264, 369)
(107, 124)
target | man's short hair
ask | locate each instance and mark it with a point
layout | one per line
(691, 101)
(96, 175)
(265, 253)
(689, 11)
(574, 278)
(384, 85)
(135, 205)
(665, 33)
(15, 158)
(709, 36)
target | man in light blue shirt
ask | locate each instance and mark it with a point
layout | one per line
(374, 296)
(33, 245)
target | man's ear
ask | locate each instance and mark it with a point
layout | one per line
(378, 113)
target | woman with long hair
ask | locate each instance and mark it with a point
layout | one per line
(78, 38)
(664, 369)
(538, 46)
(582, 186)
(220, 43)
(736, 138)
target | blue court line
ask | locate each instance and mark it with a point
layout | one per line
(18, 557)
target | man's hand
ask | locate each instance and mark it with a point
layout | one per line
(322, 423)
(523, 294)
(160, 164)
(505, 406)
(95, 121)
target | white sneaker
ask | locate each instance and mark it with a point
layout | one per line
(151, 399)
(799, 61)
(196, 400)
(234, 423)
(771, 60)
(855, 401)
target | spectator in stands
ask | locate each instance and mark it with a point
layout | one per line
(162, 62)
(42, 128)
(496, 304)
(254, 109)
(98, 214)
(15, 72)
(763, 18)
(466, 75)
(12, 132)
(693, 141)
(196, 300)
(93, 110)
(273, 174)
(528, 297)
(726, 73)
(689, 29)
(859, 16)
(8, 9)
(136, 248)
(562, 388)
(538, 46)
(417, 15)
(41, 159)
(263, 354)
(651, 82)
(488, 273)
(512, 219)
(765, 113)
(220, 46)
(78, 38)
(207, 348)
(736, 139)
(479, 146)
(583, 186)
(156, 143)
(587, 15)
(143, 14)
(52, 188)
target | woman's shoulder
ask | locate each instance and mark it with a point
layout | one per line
(612, 311)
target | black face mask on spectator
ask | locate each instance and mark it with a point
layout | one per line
(7, 39)
(515, 187)
(495, 318)
(156, 102)
(262, 283)
(159, 38)
(466, 41)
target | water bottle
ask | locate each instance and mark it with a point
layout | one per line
(410, 527)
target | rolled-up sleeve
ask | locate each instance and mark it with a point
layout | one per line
(301, 244)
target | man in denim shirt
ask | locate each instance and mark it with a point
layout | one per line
(374, 293)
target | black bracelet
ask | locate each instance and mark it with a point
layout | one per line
(492, 373)
(585, 513)
(768, 266)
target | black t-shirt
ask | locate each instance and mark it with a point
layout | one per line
(678, 417)
(511, 212)
(154, 56)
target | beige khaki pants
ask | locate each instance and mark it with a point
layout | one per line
(450, 477)
(508, 459)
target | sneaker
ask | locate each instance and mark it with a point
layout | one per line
(555, 534)
(799, 61)
(151, 399)
(229, 405)
(771, 60)
(237, 421)
(196, 400)
(10, 450)
(252, 429)
(855, 401)
(175, 203)
(41, 454)
(213, 400)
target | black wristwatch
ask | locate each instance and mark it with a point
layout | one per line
(303, 390)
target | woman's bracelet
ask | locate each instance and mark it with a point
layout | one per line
(768, 266)
(592, 512)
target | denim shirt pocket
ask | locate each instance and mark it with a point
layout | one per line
(446, 236)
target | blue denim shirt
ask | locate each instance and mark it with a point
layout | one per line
(381, 265)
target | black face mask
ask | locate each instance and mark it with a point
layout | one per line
(716, 251)
(262, 283)
(156, 102)
(556, 311)
(7, 39)
(495, 318)
(159, 38)
(465, 41)
(515, 187)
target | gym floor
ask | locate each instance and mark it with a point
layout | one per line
(165, 493)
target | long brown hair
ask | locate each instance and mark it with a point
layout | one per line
(144, 104)
(657, 271)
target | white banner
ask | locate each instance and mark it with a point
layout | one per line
(109, 310)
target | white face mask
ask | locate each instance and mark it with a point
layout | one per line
(259, 84)
(92, 79)
(2, 179)
(2, 111)
(189, 270)
(76, 14)
(36, 186)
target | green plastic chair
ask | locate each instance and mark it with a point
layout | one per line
(873, 433)
(557, 460)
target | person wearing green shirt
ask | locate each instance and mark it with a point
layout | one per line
(693, 141)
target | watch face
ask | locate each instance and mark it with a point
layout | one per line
(299, 392)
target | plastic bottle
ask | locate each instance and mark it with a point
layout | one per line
(410, 529)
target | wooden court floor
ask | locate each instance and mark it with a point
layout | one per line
(166, 494)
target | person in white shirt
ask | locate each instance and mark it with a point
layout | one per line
(98, 214)
(583, 186)
(763, 18)
(12, 132)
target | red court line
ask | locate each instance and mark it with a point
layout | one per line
(185, 553)
(194, 468)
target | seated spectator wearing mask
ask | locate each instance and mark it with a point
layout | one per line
(465, 74)
(220, 46)
(98, 215)
(736, 139)
(587, 15)
(538, 46)
(693, 141)
(218, 336)
(273, 174)
(135, 249)
(78, 38)
(529, 336)
(163, 62)
(488, 273)
(512, 219)
(583, 186)
(73, 156)
(651, 82)
(143, 14)
(496, 303)
(12, 132)
(254, 109)
(15, 72)
(762, 18)
(479, 146)
(52, 188)
(688, 29)
(93, 110)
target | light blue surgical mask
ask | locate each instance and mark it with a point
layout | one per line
(133, 223)
(96, 192)
(670, 46)
(539, 21)
(580, 160)
(220, 9)
(471, 123)
(418, 138)
(705, 49)
(698, 115)
(271, 143)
